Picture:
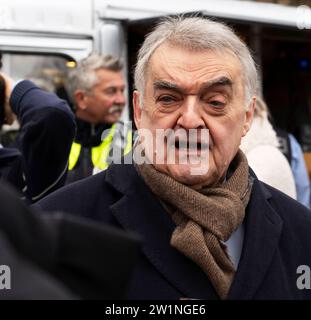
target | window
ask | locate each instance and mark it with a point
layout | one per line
(47, 71)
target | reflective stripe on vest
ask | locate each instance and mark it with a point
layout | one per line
(99, 153)
(128, 146)
(74, 155)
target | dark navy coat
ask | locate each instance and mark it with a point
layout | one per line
(277, 238)
(38, 164)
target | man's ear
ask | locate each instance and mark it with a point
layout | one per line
(80, 96)
(249, 114)
(137, 108)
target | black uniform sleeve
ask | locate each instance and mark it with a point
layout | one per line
(47, 132)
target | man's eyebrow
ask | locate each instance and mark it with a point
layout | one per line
(165, 85)
(221, 81)
(114, 87)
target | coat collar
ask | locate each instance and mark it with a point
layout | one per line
(139, 211)
(263, 227)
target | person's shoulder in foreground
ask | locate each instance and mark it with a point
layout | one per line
(47, 255)
(88, 197)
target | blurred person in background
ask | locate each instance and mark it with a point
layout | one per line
(96, 88)
(292, 150)
(38, 164)
(261, 148)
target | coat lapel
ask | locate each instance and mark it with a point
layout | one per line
(139, 211)
(263, 227)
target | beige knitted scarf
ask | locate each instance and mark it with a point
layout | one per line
(205, 218)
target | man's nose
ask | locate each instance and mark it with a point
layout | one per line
(120, 98)
(190, 114)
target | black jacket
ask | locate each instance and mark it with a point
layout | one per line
(59, 256)
(89, 136)
(39, 165)
(277, 238)
(10, 167)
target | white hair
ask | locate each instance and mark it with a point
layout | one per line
(197, 34)
(84, 77)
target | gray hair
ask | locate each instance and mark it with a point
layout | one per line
(84, 77)
(197, 34)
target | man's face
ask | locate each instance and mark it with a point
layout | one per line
(195, 90)
(105, 101)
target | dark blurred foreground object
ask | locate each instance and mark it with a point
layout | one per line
(62, 257)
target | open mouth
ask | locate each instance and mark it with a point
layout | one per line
(190, 145)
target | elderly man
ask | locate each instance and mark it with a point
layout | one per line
(96, 87)
(218, 234)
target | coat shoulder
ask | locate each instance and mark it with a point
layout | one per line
(83, 198)
(296, 217)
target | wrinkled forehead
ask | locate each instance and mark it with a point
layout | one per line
(179, 64)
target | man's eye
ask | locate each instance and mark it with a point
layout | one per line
(110, 91)
(217, 104)
(166, 99)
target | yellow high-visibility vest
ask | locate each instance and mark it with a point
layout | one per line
(99, 153)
